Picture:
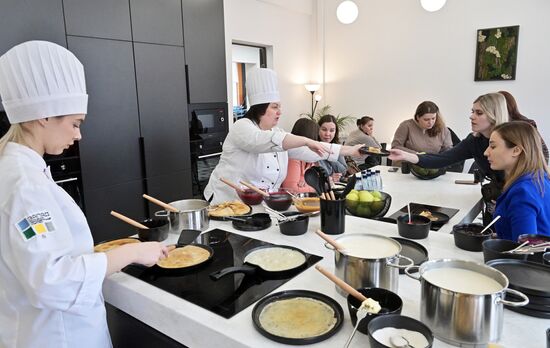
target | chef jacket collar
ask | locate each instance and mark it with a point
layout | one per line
(32, 156)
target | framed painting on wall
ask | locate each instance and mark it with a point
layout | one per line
(496, 53)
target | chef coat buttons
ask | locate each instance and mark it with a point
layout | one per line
(267, 167)
(277, 169)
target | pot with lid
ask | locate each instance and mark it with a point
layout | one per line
(368, 261)
(462, 301)
(192, 215)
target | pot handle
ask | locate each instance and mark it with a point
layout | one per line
(161, 213)
(411, 262)
(407, 272)
(512, 303)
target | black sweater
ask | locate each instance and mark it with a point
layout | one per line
(471, 147)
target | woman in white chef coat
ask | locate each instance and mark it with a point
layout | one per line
(256, 151)
(51, 279)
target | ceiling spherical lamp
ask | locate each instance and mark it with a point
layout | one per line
(347, 12)
(432, 5)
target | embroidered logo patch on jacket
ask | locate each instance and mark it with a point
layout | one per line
(36, 224)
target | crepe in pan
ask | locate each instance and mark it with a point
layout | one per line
(187, 256)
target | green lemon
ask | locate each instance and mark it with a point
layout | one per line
(365, 196)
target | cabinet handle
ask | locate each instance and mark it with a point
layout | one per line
(65, 180)
(187, 84)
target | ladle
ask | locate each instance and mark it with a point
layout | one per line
(400, 342)
(161, 203)
(332, 242)
(312, 178)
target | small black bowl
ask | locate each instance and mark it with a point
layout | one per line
(390, 302)
(419, 228)
(494, 249)
(398, 322)
(157, 232)
(468, 236)
(296, 227)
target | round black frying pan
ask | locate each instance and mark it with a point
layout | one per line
(441, 217)
(412, 250)
(528, 277)
(254, 222)
(252, 269)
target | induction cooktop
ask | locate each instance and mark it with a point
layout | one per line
(230, 294)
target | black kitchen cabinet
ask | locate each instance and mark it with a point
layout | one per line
(157, 21)
(169, 188)
(161, 90)
(204, 42)
(109, 19)
(24, 20)
(123, 198)
(109, 149)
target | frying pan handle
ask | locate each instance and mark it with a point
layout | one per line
(246, 269)
(407, 272)
(411, 262)
(512, 303)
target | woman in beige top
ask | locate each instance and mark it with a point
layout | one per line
(426, 132)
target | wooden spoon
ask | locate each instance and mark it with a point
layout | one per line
(231, 184)
(254, 188)
(330, 241)
(342, 284)
(161, 203)
(128, 220)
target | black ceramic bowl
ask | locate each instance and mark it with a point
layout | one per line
(426, 173)
(390, 302)
(494, 249)
(398, 322)
(157, 232)
(468, 237)
(278, 200)
(296, 227)
(546, 258)
(419, 228)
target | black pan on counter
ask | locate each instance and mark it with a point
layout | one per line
(528, 277)
(254, 222)
(290, 294)
(257, 270)
(413, 250)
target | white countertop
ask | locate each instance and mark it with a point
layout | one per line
(194, 326)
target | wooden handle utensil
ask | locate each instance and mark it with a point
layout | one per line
(330, 241)
(342, 284)
(254, 188)
(231, 184)
(128, 220)
(161, 203)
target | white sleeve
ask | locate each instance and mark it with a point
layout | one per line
(303, 153)
(51, 275)
(248, 137)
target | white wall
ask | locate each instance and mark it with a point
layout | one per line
(396, 55)
(286, 26)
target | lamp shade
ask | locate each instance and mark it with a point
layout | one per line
(347, 12)
(312, 87)
(432, 5)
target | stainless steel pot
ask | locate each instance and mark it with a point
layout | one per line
(364, 272)
(459, 318)
(192, 215)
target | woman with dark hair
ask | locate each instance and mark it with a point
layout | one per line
(425, 132)
(364, 135)
(294, 180)
(515, 115)
(256, 151)
(524, 205)
(328, 133)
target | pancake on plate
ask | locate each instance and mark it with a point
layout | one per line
(428, 214)
(229, 209)
(114, 244)
(187, 256)
(299, 317)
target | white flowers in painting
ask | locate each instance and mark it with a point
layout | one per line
(480, 36)
(506, 76)
(493, 50)
(498, 34)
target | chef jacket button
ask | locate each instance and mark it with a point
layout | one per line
(267, 167)
(272, 183)
(274, 155)
(277, 169)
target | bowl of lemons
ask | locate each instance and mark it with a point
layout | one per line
(426, 173)
(368, 204)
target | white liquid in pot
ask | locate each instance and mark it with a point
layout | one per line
(368, 247)
(462, 280)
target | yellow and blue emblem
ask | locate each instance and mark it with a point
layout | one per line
(35, 224)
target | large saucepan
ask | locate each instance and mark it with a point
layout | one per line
(192, 215)
(470, 316)
(376, 265)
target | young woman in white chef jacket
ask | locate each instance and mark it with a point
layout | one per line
(50, 292)
(256, 151)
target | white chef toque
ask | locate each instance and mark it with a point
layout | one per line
(40, 79)
(262, 87)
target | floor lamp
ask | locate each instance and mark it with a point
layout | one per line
(312, 88)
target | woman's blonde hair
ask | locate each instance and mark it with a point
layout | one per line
(531, 159)
(14, 134)
(494, 106)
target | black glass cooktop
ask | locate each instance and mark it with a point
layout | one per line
(230, 294)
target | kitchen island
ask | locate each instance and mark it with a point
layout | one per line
(194, 326)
